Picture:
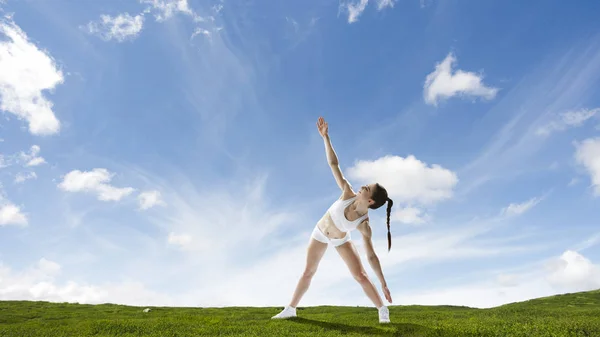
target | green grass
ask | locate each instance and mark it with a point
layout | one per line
(576, 314)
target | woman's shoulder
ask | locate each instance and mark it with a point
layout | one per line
(347, 193)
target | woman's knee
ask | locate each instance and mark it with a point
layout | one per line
(309, 273)
(361, 276)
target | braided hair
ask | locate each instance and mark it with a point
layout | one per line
(380, 197)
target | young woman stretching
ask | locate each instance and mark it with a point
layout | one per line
(347, 213)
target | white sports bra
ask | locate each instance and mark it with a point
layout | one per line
(336, 211)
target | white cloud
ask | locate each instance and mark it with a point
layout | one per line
(587, 154)
(121, 28)
(22, 177)
(573, 272)
(355, 10)
(32, 159)
(149, 199)
(410, 215)
(11, 215)
(569, 119)
(518, 209)
(95, 181)
(407, 180)
(444, 83)
(25, 73)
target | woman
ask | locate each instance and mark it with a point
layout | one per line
(347, 213)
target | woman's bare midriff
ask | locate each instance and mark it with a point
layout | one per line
(328, 228)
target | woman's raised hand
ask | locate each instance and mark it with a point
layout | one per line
(322, 126)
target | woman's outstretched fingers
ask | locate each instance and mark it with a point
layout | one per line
(386, 292)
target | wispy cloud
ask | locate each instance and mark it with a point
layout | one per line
(121, 27)
(125, 27)
(588, 243)
(96, 181)
(32, 158)
(381, 4)
(201, 31)
(587, 154)
(568, 76)
(27, 72)
(271, 278)
(22, 176)
(41, 282)
(569, 272)
(519, 208)
(202, 216)
(22, 158)
(165, 9)
(445, 82)
(297, 32)
(355, 9)
(236, 76)
(566, 120)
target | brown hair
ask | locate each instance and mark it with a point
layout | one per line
(380, 197)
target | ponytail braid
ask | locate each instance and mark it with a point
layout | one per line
(389, 210)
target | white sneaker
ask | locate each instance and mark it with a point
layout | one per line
(384, 314)
(287, 312)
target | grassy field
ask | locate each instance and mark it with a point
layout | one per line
(575, 314)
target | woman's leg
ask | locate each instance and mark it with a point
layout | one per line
(349, 254)
(315, 252)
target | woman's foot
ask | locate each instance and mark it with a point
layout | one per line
(287, 312)
(384, 314)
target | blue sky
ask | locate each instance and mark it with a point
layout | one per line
(164, 152)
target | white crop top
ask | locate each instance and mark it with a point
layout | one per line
(336, 211)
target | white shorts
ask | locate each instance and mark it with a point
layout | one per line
(320, 236)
